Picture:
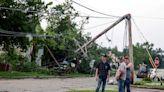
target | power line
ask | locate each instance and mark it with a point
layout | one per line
(147, 50)
(138, 29)
(32, 11)
(26, 10)
(91, 16)
(95, 17)
(18, 9)
(98, 25)
(21, 34)
(109, 40)
(112, 36)
(148, 17)
(95, 10)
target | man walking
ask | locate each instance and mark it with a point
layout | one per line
(102, 73)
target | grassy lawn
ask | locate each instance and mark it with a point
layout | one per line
(150, 86)
(90, 91)
(14, 74)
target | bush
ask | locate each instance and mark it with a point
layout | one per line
(16, 61)
(52, 71)
(42, 70)
(147, 79)
(84, 67)
(26, 67)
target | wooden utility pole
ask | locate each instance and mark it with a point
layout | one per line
(130, 38)
(103, 32)
(130, 45)
(128, 17)
(82, 50)
(52, 55)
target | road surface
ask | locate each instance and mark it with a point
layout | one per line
(56, 85)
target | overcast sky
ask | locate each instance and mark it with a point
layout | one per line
(148, 15)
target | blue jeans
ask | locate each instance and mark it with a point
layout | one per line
(121, 85)
(103, 82)
(127, 85)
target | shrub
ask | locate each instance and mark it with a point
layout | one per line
(147, 79)
(84, 67)
(26, 67)
(42, 70)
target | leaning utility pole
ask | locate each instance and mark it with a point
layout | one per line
(128, 17)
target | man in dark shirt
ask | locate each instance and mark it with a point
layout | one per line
(102, 73)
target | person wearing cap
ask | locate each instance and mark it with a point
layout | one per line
(102, 73)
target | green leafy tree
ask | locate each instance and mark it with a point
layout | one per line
(24, 19)
(61, 24)
(141, 55)
(19, 16)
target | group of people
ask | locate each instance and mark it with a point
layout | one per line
(124, 74)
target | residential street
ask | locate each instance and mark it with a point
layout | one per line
(55, 85)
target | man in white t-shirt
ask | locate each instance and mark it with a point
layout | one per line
(121, 75)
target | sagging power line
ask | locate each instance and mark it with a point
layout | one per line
(138, 29)
(18, 9)
(148, 17)
(21, 34)
(90, 16)
(31, 11)
(95, 10)
(98, 25)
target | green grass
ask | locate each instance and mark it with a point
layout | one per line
(15, 74)
(150, 86)
(91, 91)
